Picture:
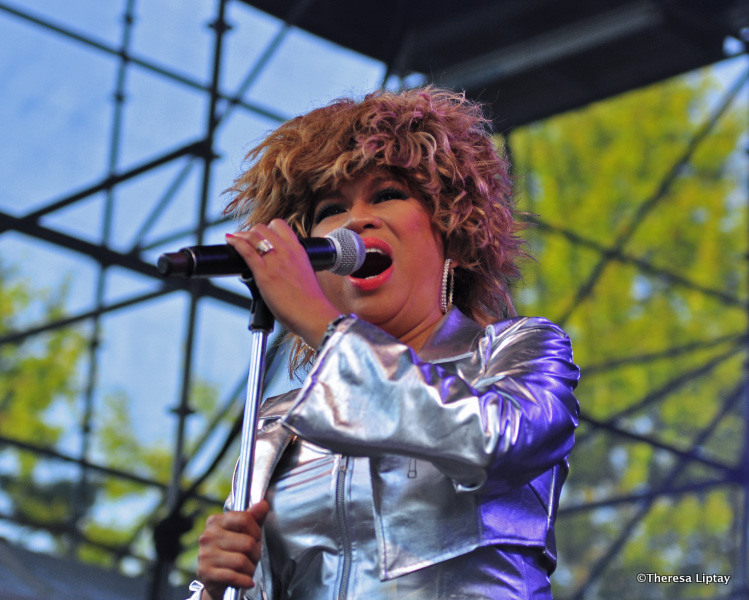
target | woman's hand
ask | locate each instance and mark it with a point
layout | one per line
(229, 550)
(286, 279)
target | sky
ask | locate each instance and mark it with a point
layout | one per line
(56, 124)
(57, 142)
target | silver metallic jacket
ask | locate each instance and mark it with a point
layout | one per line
(486, 417)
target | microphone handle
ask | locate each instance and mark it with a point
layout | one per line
(224, 260)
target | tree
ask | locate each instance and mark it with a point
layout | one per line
(39, 405)
(37, 376)
(640, 248)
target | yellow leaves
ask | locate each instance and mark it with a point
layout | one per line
(646, 271)
(636, 475)
(33, 378)
(670, 519)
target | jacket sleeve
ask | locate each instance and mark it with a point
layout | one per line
(490, 420)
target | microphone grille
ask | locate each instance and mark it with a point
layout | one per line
(351, 251)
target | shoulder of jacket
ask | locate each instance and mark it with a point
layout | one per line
(525, 324)
(277, 406)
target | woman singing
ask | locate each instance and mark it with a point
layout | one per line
(424, 454)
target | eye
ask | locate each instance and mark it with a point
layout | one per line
(390, 194)
(327, 210)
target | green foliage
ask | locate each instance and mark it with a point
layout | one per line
(38, 384)
(107, 517)
(37, 372)
(117, 441)
(36, 375)
(668, 264)
(118, 444)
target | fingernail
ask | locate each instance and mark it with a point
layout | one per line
(229, 235)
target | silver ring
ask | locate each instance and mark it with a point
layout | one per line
(263, 247)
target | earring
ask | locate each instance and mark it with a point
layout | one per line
(446, 296)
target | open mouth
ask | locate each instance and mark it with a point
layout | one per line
(375, 263)
(378, 266)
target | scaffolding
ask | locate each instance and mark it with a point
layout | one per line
(190, 167)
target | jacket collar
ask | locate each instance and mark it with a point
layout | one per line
(452, 338)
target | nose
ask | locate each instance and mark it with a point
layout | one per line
(361, 216)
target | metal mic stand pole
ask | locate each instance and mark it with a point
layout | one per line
(261, 324)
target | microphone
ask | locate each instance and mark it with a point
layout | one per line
(341, 252)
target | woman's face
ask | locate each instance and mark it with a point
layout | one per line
(398, 287)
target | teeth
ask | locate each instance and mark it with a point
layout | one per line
(375, 251)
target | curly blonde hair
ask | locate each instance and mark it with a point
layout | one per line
(436, 141)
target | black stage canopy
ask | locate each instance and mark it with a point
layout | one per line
(528, 59)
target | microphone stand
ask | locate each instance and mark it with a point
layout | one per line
(261, 324)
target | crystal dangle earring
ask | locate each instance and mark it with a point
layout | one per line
(448, 285)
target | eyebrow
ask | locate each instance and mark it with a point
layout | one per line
(332, 194)
(337, 195)
(387, 179)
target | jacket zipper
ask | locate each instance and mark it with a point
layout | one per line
(340, 498)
